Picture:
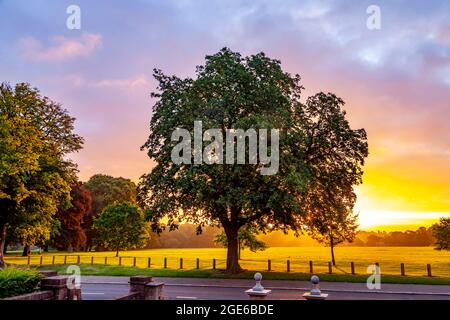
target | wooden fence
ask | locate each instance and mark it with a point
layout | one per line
(199, 264)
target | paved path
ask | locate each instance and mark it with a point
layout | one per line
(105, 288)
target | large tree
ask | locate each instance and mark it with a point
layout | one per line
(35, 136)
(232, 92)
(105, 190)
(121, 226)
(335, 155)
(70, 234)
(229, 92)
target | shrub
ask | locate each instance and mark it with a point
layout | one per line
(14, 282)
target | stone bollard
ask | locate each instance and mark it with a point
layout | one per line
(257, 292)
(146, 288)
(56, 284)
(315, 293)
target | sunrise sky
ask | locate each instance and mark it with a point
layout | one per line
(395, 81)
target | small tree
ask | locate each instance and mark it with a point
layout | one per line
(441, 231)
(247, 239)
(332, 229)
(335, 154)
(105, 190)
(121, 226)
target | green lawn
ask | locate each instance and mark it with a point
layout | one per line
(389, 258)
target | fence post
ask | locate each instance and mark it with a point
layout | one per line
(198, 263)
(330, 268)
(92, 260)
(65, 259)
(288, 265)
(165, 263)
(120, 261)
(214, 264)
(269, 265)
(149, 262)
(181, 263)
(429, 270)
(311, 267)
(106, 261)
(29, 260)
(352, 267)
(402, 269)
(134, 261)
(78, 259)
(53, 260)
(40, 260)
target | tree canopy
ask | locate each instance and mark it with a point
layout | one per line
(35, 177)
(121, 226)
(335, 155)
(70, 234)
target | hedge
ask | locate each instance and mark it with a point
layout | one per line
(14, 282)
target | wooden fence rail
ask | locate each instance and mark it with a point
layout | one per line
(270, 263)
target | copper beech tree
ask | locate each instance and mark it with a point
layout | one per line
(234, 92)
(70, 233)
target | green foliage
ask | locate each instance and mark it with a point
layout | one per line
(14, 282)
(441, 231)
(121, 226)
(35, 177)
(105, 190)
(247, 239)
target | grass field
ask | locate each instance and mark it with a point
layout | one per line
(389, 259)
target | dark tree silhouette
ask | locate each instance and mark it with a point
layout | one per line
(335, 155)
(441, 232)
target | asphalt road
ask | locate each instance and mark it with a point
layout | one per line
(107, 288)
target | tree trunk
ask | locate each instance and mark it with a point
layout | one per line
(232, 249)
(239, 252)
(332, 250)
(2, 245)
(117, 252)
(5, 247)
(26, 251)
